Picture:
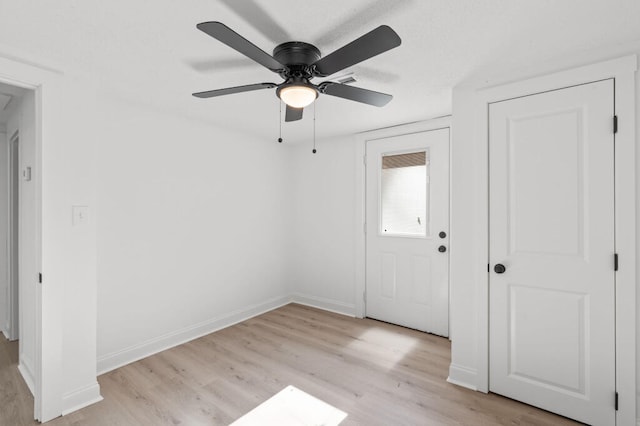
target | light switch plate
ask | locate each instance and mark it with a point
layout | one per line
(80, 215)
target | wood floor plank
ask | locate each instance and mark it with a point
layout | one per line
(378, 373)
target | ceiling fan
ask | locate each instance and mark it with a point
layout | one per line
(298, 62)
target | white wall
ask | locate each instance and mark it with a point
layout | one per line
(68, 252)
(192, 226)
(67, 133)
(4, 232)
(322, 265)
(463, 259)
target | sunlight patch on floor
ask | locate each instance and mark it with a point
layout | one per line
(292, 407)
(389, 347)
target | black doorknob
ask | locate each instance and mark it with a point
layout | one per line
(442, 234)
(499, 268)
(442, 249)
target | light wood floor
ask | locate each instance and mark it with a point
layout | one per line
(16, 402)
(378, 373)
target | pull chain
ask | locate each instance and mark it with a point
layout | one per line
(314, 127)
(280, 122)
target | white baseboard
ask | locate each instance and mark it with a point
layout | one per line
(27, 375)
(8, 334)
(463, 376)
(134, 353)
(80, 398)
(336, 306)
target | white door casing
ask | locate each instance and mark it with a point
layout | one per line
(27, 241)
(406, 275)
(14, 214)
(551, 198)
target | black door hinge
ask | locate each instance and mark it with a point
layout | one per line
(488, 267)
(616, 401)
(40, 277)
(615, 262)
(615, 124)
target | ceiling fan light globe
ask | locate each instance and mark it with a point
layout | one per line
(298, 96)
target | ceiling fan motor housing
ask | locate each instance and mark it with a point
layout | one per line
(296, 53)
(298, 58)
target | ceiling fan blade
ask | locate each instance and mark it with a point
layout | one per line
(369, 45)
(293, 114)
(259, 18)
(209, 64)
(376, 74)
(231, 90)
(355, 94)
(226, 35)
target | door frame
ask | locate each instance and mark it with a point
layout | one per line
(622, 70)
(29, 74)
(360, 197)
(13, 302)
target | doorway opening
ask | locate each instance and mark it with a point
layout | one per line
(18, 231)
(406, 212)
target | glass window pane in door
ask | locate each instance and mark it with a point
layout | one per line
(404, 194)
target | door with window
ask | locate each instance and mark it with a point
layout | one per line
(552, 268)
(407, 230)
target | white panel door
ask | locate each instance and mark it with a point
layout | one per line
(552, 229)
(407, 227)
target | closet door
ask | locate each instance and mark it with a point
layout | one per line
(552, 275)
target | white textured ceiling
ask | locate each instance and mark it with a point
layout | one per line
(150, 52)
